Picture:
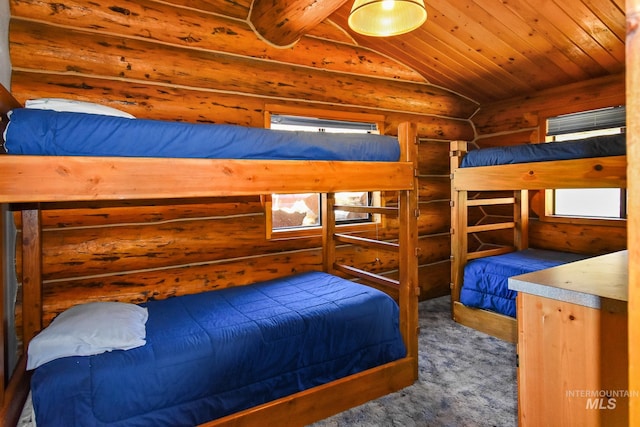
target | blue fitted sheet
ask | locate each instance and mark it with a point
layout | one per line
(598, 146)
(485, 279)
(46, 132)
(215, 353)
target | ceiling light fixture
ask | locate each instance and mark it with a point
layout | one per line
(382, 18)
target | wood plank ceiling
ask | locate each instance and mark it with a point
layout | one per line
(488, 50)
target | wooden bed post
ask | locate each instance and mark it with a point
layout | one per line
(521, 219)
(408, 218)
(328, 231)
(32, 274)
(458, 230)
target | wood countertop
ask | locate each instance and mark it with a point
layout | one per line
(593, 282)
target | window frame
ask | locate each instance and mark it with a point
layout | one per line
(340, 115)
(544, 205)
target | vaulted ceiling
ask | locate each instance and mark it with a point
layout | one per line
(486, 50)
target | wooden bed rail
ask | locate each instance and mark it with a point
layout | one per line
(608, 172)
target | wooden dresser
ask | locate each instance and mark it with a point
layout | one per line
(572, 344)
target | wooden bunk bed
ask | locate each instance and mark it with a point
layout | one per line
(32, 180)
(514, 181)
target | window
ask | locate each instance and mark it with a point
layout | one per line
(299, 214)
(298, 211)
(601, 203)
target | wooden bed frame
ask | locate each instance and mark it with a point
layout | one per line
(599, 172)
(38, 179)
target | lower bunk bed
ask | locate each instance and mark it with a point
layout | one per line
(488, 178)
(209, 355)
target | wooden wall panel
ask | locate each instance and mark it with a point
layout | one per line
(202, 30)
(199, 61)
(173, 280)
(434, 187)
(148, 100)
(593, 240)
(525, 136)
(433, 127)
(516, 114)
(430, 157)
(143, 99)
(140, 286)
(434, 279)
(112, 56)
(236, 8)
(434, 217)
(104, 213)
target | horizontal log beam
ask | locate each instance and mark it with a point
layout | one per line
(283, 22)
(163, 102)
(163, 23)
(144, 61)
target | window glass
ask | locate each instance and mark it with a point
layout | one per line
(588, 202)
(291, 211)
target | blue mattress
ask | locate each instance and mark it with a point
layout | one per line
(598, 146)
(215, 353)
(46, 132)
(485, 279)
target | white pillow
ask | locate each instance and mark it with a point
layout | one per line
(88, 329)
(73, 106)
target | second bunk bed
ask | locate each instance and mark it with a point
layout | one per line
(303, 313)
(504, 176)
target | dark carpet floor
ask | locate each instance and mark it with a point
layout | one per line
(466, 379)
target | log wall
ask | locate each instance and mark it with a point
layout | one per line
(521, 120)
(200, 61)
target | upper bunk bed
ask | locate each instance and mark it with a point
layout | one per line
(31, 178)
(130, 159)
(511, 172)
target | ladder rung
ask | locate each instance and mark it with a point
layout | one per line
(381, 210)
(367, 275)
(490, 252)
(490, 227)
(369, 243)
(489, 202)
